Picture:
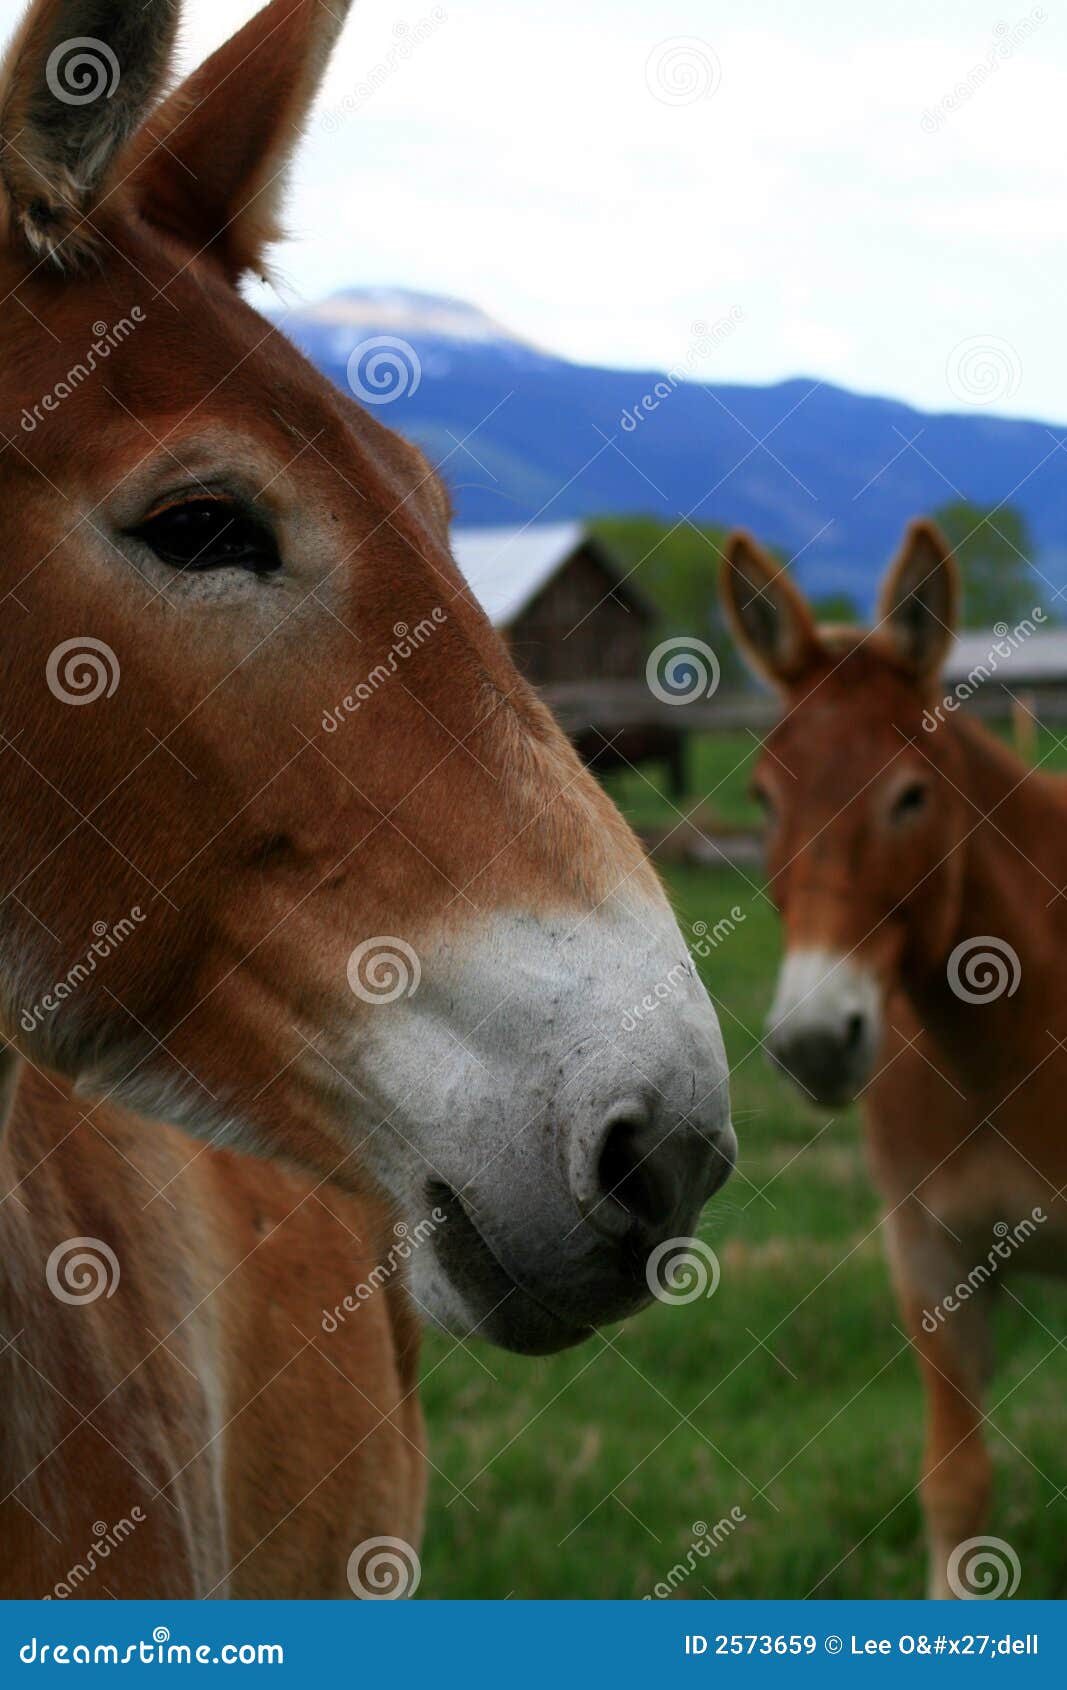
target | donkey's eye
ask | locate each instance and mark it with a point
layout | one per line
(210, 534)
(909, 802)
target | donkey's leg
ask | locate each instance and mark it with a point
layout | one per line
(954, 1354)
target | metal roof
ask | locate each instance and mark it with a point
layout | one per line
(1031, 658)
(507, 567)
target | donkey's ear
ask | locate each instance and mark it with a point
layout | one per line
(919, 601)
(209, 164)
(769, 615)
(77, 80)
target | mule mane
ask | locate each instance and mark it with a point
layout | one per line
(1003, 763)
(849, 656)
(842, 640)
(842, 637)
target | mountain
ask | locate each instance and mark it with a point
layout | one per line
(828, 475)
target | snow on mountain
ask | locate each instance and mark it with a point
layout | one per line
(524, 436)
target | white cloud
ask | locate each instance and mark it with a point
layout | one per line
(517, 158)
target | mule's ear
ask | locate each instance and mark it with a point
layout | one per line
(209, 164)
(77, 80)
(769, 615)
(919, 601)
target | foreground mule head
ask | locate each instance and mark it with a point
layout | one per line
(293, 856)
(863, 812)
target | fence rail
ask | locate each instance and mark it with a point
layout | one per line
(611, 706)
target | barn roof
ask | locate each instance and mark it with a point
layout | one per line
(1033, 658)
(506, 568)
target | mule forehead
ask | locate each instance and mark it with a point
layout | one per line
(154, 347)
(852, 720)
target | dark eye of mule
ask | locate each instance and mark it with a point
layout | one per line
(210, 534)
(909, 802)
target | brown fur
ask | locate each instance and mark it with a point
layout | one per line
(183, 167)
(258, 847)
(962, 1113)
(259, 1448)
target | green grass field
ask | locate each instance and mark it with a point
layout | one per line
(789, 1395)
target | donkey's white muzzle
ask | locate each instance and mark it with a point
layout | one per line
(825, 1025)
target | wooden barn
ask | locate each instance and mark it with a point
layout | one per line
(556, 593)
(580, 631)
(1019, 672)
(1003, 659)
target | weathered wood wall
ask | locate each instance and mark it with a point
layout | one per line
(583, 626)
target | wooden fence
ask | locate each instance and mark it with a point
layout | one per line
(608, 707)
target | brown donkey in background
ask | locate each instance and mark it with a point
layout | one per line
(388, 960)
(919, 869)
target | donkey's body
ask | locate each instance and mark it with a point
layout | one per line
(963, 1119)
(229, 1444)
(920, 877)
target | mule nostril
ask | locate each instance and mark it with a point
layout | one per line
(853, 1032)
(631, 1173)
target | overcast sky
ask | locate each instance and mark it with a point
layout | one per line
(602, 176)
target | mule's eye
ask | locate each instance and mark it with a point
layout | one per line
(210, 534)
(909, 802)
